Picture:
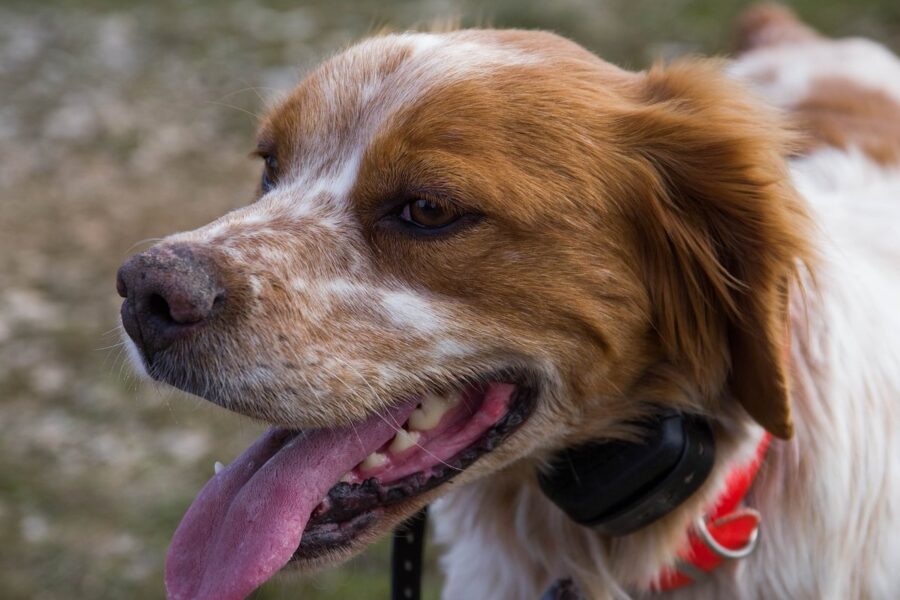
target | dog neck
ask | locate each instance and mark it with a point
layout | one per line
(532, 542)
(673, 552)
(726, 531)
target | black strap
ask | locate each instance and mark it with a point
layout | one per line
(407, 551)
(563, 589)
(406, 557)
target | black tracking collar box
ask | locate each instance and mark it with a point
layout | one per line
(619, 487)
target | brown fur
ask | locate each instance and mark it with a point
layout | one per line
(842, 114)
(837, 111)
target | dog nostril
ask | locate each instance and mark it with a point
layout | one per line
(157, 306)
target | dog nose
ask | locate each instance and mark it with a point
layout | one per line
(169, 291)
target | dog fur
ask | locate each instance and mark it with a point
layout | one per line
(666, 237)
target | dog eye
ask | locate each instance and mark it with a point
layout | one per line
(269, 175)
(427, 214)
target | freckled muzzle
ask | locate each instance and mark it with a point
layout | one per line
(170, 291)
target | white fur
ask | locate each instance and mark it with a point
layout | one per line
(409, 309)
(134, 357)
(860, 60)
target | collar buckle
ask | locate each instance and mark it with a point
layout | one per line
(742, 551)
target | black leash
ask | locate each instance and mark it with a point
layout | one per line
(563, 589)
(406, 564)
(406, 557)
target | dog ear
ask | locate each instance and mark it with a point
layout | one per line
(722, 233)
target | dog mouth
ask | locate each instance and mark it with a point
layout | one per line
(298, 496)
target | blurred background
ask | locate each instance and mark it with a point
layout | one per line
(124, 120)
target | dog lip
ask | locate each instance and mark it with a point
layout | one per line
(355, 508)
(249, 520)
(132, 327)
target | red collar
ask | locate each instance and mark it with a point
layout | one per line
(727, 531)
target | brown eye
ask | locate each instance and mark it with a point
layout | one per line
(428, 214)
(269, 176)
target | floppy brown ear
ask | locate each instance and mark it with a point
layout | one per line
(722, 233)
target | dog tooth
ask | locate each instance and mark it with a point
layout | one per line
(429, 413)
(403, 441)
(217, 467)
(453, 397)
(348, 477)
(373, 461)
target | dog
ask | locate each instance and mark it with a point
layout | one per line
(472, 250)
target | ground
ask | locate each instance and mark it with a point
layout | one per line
(124, 121)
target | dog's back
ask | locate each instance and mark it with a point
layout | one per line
(837, 486)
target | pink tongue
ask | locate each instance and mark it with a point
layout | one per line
(247, 521)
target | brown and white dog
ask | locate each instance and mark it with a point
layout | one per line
(473, 249)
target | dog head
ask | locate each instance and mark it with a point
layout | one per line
(468, 249)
